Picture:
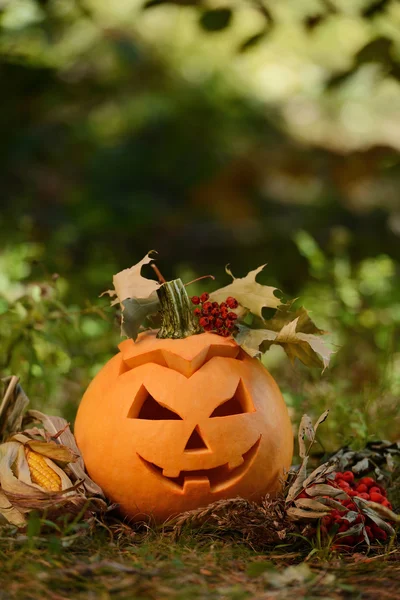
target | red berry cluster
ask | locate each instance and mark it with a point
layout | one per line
(336, 522)
(214, 317)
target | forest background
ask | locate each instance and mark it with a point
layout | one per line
(215, 132)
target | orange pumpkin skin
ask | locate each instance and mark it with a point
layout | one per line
(171, 425)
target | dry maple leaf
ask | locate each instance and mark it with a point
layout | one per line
(308, 348)
(251, 295)
(136, 295)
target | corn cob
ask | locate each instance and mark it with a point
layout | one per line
(41, 473)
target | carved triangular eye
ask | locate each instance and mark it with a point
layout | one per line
(153, 411)
(239, 403)
(230, 407)
(146, 407)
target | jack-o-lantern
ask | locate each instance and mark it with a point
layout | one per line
(183, 417)
(173, 424)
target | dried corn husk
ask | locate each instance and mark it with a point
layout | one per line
(12, 407)
(54, 451)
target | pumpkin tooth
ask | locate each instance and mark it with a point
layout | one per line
(196, 483)
(171, 472)
(236, 462)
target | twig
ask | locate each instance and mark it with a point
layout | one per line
(157, 271)
(199, 278)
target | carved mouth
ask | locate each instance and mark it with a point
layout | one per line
(214, 479)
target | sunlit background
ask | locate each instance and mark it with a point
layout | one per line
(215, 132)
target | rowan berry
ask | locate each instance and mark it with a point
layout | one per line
(219, 323)
(374, 497)
(195, 299)
(204, 297)
(223, 305)
(368, 481)
(348, 476)
(232, 316)
(215, 305)
(364, 496)
(232, 302)
(215, 312)
(224, 312)
(229, 324)
(368, 531)
(197, 312)
(225, 332)
(343, 484)
(362, 488)
(204, 321)
(380, 534)
(347, 540)
(207, 308)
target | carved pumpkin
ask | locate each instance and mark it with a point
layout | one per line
(169, 425)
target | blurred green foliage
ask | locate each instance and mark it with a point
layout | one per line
(233, 133)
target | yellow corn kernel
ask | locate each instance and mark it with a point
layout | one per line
(41, 473)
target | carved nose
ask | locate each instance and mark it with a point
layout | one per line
(195, 442)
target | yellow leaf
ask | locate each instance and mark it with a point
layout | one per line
(249, 293)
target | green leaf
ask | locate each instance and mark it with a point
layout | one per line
(216, 19)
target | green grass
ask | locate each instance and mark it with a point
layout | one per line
(121, 563)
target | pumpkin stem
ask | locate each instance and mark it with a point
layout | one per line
(178, 320)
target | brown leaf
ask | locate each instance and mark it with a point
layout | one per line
(285, 315)
(355, 530)
(371, 512)
(321, 419)
(251, 340)
(323, 489)
(383, 511)
(297, 485)
(299, 513)
(310, 503)
(308, 348)
(250, 294)
(320, 473)
(332, 503)
(306, 431)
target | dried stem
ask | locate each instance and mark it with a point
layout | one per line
(157, 271)
(199, 278)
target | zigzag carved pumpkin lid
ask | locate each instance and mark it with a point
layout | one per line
(185, 355)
